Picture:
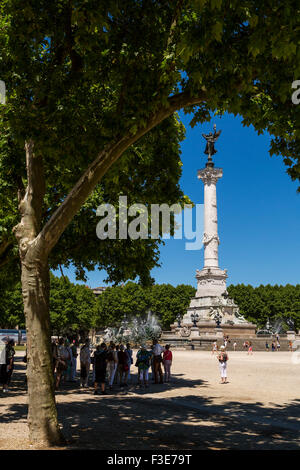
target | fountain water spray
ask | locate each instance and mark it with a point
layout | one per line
(137, 330)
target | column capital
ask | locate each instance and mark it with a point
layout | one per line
(210, 175)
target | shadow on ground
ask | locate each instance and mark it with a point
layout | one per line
(130, 420)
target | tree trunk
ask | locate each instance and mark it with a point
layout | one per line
(42, 414)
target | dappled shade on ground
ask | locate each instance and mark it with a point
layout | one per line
(191, 413)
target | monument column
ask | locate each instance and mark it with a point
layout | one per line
(211, 241)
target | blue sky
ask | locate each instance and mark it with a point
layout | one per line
(258, 211)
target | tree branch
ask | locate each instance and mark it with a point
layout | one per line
(97, 169)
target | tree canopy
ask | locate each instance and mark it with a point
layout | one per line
(83, 76)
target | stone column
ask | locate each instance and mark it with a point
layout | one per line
(211, 241)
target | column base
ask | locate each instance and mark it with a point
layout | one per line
(211, 282)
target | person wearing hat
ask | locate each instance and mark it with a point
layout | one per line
(223, 359)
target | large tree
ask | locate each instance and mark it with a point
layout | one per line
(87, 80)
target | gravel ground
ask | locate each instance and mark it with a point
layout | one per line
(257, 409)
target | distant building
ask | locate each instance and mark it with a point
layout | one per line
(98, 290)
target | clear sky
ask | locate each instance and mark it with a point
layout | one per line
(258, 211)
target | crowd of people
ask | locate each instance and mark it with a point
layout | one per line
(111, 364)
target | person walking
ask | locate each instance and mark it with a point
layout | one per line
(157, 361)
(234, 346)
(214, 348)
(143, 358)
(250, 349)
(223, 359)
(267, 346)
(167, 361)
(85, 362)
(100, 363)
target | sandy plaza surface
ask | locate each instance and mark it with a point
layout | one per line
(257, 409)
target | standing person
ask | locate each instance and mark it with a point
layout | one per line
(68, 372)
(157, 360)
(117, 369)
(10, 354)
(61, 362)
(250, 349)
(74, 361)
(167, 361)
(122, 366)
(273, 346)
(214, 348)
(112, 363)
(143, 358)
(85, 361)
(278, 345)
(7, 363)
(54, 354)
(290, 346)
(234, 346)
(267, 346)
(3, 367)
(100, 363)
(223, 359)
(129, 353)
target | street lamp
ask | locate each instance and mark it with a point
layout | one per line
(194, 317)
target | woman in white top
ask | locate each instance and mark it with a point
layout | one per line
(223, 359)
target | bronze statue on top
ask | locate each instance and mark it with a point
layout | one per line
(211, 139)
